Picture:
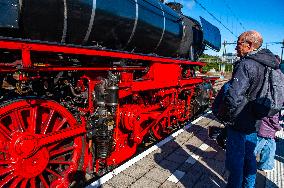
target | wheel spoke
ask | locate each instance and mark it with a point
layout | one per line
(43, 181)
(33, 183)
(6, 171)
(47, 121)
(6, 162)
(60, 162)
(34, 114)
(60, 125)
(24, 183)
(16, 115)
(61, 151)
(50, 148)
(5, 132)
(53, 173)
(6, 180)
(16, 182)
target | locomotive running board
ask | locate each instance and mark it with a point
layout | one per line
(26, 46)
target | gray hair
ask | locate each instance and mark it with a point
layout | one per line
(253, 37)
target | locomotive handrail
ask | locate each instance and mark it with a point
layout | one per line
(59, 69)
(26, 46)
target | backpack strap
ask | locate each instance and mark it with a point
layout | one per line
(270, 80)
(265, 79)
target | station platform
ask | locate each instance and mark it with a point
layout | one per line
(187, 158)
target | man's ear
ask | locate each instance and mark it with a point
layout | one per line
(251, 46)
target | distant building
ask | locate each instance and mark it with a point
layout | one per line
(230, 57)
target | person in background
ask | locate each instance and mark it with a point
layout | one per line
(245, 83)
(266, 145)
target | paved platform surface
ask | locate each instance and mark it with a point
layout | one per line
(275, 178)
(190, 159)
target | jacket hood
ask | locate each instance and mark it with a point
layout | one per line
(264, 57)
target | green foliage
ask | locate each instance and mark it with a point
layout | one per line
(210, 56)
(213, 62)
(209, 66)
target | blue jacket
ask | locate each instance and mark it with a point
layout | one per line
(247, 79)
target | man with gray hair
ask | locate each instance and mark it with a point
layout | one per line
(246, 81)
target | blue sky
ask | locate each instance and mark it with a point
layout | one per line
(264, 16)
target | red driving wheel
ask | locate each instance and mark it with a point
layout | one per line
(22, 162)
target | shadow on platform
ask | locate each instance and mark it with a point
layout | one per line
(279, 154)
(205, 166)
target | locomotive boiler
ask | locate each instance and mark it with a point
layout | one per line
(83, 84)
(143, 26)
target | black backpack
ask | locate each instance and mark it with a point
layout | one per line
(270, 97)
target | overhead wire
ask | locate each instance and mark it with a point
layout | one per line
(230, 9)
(213, 16)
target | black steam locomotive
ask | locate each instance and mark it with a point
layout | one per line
(141, 26)
(85, 83)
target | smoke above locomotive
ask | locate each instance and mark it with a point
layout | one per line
(141, 26)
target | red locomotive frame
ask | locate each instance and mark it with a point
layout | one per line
(115, 103)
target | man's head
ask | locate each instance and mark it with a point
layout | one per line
(248, 42)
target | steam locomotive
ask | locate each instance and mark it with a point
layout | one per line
(83, 84)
